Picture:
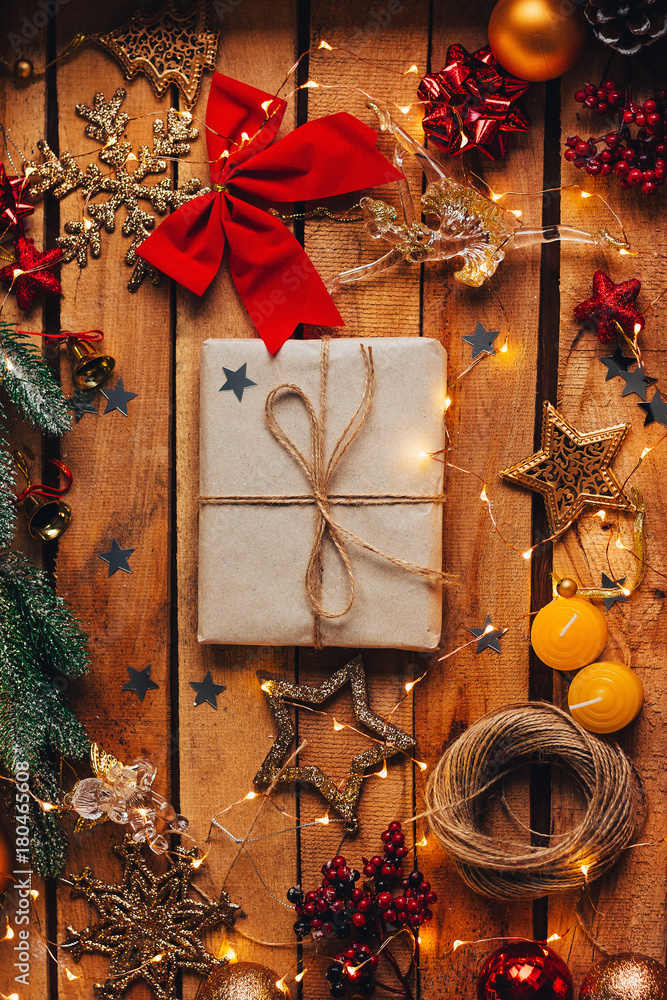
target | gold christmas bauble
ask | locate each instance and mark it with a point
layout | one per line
(625, 977)
(6, 860)
(23, 69)
(536, 39)
(242, 981)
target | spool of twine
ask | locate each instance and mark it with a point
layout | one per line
(474, 767)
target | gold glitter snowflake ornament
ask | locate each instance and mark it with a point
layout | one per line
(123, 187)
(148, 926)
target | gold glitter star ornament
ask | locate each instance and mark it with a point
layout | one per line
(391, 742)
(148, 926)
(572, 469)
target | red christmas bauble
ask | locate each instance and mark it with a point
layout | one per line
(524, 970)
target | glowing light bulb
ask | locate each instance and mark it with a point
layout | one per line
(448, 403)
(325, 45)
(157, 958)
(645, 453)
(483, 495)
(413, 69)
(637, 328)
(584, 869)
(527, 554)
(70, 975)
(457, 944)
(553, 937)
(404, 108)
(619, 544)
(324, 820)
(8, 365)
(496, 197)
(489, 628)
(48, 806)
(266, 105)
(280, 985)
(87, 224)
(338, 725)
(517, 212)
(266, 686)
(423, 766)
(601, 514)
(230, 955)
(197, 863)
(585, 194)
(464, 141)
(8, 935)
(17, 272)
(423, 842)
(34, 893)
(424, 454)
(503, 349)
(383, 773)
(13, 996)
(409, 685)
(625, 590)
(299, 976)
(250, 795)
(311, 85)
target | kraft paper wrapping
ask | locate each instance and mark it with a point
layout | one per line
(253, 558)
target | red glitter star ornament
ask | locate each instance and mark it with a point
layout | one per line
(611, 306)
(13, 204)
(31, 272)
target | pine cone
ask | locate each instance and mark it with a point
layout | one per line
(627, 25)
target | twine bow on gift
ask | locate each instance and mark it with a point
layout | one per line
(319, 474)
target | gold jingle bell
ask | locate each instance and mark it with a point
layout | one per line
(48, 517)
(23, 69)
(90, 370)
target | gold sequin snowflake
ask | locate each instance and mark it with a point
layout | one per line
(106, 193)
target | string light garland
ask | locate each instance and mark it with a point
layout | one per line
(494, 747)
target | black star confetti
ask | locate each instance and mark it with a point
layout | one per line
(117, 558)
(636, 382)
(236, 382)
(608, 584)
(482, 340)
(655, 410)
(617, 364)
(488, 637)
(82, 402)
(207, 691)
(140, 682)
(118, 398)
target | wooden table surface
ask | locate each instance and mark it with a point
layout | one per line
(136, 480)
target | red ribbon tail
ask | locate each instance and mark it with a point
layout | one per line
(188, 245)
(50, 492)
(275, 278)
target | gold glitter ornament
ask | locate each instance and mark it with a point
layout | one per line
(125, 188)
(242, 981)
(394, 741)
(169, 47)
(627, 976)
(572, 469)
(148, 926)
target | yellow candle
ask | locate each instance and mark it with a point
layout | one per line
(604, 697)
(568, 633)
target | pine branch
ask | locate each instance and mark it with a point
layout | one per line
(30, 385)
(42, 646)
(7, 486)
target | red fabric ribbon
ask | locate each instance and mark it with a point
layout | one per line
(473, 103)
(51, 492)
(92, 336)
(276, 280)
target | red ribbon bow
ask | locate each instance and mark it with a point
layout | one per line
(473, 103)
(276, 280)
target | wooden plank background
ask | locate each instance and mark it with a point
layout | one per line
(136, 480)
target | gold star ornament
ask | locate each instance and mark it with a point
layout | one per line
(391, 742)
(148, 926)
(572, 469)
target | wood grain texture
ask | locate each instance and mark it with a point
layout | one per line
(625, 910)
(221, 751)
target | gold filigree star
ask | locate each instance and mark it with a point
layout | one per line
(572, 469)
(148, 926)
(393, 740)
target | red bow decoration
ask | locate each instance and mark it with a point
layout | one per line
(472, 103)
(50, 492)
(277, 282)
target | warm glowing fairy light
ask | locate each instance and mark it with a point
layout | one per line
(299, 976)
(325, 45)
(413, 69)
(457, 944)
(280, 985)
(245, 137)
(404, 108)
(586, 194)
(627, 253)
(9, 934)
(130, 156)
(267, 104)
(464, 141)
(158, 958)
(489, 628)
(496, 197)
(424, 454)
(70, 975)
(584, 869)
(553, 937)
(230, 955)
(250, 795)
(483, 495)
(624, 590)
(338, 725)
(645, 453)
(423, 842)
(34, 893)
(423, 766)
(619, 544)
(17, 272)
(266, 686)
(448, 402)
(310, 85)
(517, 212)
(197, 863)
(324, 820)
(383, 773)
(601, 514)
(637, 328)
(503, 349)
(527, 554)
(409, 685)
(47, 806)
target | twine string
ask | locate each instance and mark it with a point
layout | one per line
(319, 472)
(499, 744)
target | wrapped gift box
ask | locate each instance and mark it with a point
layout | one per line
(258, 513)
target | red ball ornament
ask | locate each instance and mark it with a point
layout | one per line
(524, 970)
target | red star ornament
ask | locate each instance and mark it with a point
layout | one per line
(31, 272)
(13, 203)
(611, 306)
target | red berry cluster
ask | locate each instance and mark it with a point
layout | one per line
(638, 159)
(342, 907)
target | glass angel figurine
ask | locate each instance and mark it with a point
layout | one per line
(466, 224)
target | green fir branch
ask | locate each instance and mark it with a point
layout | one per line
(42, 647)
(30, 385)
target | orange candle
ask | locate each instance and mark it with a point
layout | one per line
(604, 697)
(568, 633)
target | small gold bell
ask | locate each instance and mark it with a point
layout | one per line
(48, 517)
(90, 370)
(23, 69)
